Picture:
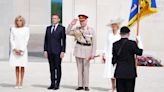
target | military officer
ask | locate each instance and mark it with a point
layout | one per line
(84, 50)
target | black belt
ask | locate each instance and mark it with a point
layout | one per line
(84, 44)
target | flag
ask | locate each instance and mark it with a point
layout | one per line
(146, 7)
(133, 12)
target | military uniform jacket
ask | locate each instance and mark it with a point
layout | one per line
(83, 35)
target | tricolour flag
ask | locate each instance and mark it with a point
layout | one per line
(147, 7)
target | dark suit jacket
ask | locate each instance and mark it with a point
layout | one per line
(55, 42)
(125, 62)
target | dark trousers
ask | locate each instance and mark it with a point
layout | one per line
(55, 69)
(125, 85)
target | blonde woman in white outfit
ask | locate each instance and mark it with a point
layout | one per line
(19, 37)
(112, 36)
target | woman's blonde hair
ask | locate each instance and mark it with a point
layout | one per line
(19, 18)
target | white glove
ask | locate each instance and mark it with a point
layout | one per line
(140, 45)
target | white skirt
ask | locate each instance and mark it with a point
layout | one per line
(21, 61)
(109, 68)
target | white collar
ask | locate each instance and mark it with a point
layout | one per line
(55, 25)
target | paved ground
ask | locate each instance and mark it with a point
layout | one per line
(37, 78)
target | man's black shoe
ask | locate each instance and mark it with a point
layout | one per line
(56, 88)
(86, 89)
(51, 87)
(80, 88)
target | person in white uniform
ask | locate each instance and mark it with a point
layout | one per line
(112, 36)
(19, 37)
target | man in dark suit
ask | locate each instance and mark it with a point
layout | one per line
(54, 49)
(124, 52)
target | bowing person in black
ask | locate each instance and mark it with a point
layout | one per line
(124, 52)
(54, 49)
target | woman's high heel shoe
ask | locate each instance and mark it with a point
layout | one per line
(16, 87)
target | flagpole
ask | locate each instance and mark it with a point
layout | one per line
(138, 18)
(138, 26)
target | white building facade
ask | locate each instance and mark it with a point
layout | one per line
(38, 15)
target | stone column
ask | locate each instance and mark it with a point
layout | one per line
(6, 13)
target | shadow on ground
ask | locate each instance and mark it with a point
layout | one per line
(7, 85)
(39, 86)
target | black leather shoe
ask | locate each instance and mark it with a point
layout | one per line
(86, 89)
(51, 87)
(80, 88)
(56, 88)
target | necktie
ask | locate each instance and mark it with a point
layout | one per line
(53, 30)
